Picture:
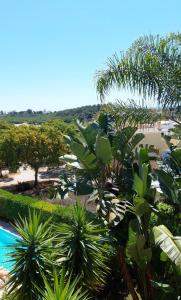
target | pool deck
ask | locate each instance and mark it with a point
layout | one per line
(3, 272)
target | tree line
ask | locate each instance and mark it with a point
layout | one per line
(84, 113)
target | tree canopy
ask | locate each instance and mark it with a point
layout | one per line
(36, 146)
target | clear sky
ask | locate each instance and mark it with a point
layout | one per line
(51, 49)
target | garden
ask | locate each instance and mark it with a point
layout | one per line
(129, 245)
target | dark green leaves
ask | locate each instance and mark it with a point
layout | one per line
(136, 249)
(103, 149)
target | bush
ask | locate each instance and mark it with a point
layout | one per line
(11, 206)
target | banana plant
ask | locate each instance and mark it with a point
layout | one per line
(142, 238)
(102, 151)
(106, 154)
(138, 248)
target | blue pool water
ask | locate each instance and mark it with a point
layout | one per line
(6, 239)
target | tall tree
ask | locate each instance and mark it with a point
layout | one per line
(34, 146)
(151, 67)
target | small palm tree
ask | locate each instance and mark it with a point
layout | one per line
(30, 258)
(63, 290)
(81, 250)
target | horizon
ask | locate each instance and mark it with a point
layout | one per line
(47, 111)
(50, 51)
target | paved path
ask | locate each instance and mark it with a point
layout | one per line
(24, 175)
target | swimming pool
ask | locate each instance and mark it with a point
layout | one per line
(6, 239)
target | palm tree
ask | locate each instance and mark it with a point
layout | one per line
(30, 258)
(80, 248)
(151, 67)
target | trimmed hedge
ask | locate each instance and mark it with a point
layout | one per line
(11, 206)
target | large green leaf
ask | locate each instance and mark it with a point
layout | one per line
(89, 133)
(168, 185)
(103, 149)
(134, 141)
(85, 156)
(125, 142)
(144, 176)
(176, 157)
(143, 155)
(111, 209)
(141, 206)
(168, 243)
(136, 249)
(68, 158)
(121, 140)
(138, 185)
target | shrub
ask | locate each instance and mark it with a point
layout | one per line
(11, 206)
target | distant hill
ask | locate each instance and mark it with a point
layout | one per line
(83, 113)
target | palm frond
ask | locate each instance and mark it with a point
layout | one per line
(151, 67)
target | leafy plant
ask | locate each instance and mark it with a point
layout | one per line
(104, 153)
(65, 185)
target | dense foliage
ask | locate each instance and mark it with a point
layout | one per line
(133, 248)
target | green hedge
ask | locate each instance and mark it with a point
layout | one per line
(11, 206)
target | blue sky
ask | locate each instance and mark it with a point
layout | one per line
(51, 49)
